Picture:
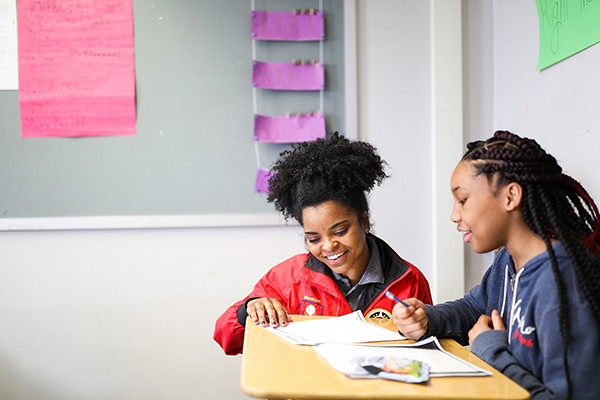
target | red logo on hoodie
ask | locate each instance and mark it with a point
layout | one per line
(526, 342)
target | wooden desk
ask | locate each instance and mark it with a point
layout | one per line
(274, 368)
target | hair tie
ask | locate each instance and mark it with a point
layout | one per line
(507, 145)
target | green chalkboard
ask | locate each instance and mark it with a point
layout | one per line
(194, 152)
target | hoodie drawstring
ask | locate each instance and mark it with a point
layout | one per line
(514, 300)
(505, 288)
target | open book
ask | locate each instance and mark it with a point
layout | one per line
(347, 358)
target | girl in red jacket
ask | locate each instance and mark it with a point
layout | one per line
(323, 185)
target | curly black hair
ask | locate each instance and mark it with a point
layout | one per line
(334, 168)
(555, 206)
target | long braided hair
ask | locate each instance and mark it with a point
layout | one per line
(555, 206)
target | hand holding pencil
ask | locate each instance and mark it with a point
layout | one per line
(410, 318)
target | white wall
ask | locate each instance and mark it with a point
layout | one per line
(478, 92)
(126, 314)
(395, 107)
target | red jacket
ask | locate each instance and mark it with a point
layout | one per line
(303, 285)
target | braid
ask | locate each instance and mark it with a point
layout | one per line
(556, 207)
(563, 312)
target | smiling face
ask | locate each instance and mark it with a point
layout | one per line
(480, 211)
(337, 237)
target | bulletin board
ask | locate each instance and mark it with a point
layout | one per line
(193, 157)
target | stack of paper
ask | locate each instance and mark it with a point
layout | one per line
(350, 328)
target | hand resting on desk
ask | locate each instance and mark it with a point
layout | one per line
(267, 311)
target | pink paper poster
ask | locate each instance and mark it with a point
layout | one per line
(299, 26)
(288, 76)
(76, 68)
(262, 180)
(289, 129)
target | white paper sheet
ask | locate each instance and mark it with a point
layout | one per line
(9, 63)
(343, 358)
(349, 328)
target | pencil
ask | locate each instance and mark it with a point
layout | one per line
(391, 296)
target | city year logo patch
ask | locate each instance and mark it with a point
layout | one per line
(379, 313)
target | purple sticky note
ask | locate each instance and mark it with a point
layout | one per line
(289, 129)
(288, 76)
(300, 26)
(262, 180)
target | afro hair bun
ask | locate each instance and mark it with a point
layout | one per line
(334, 168)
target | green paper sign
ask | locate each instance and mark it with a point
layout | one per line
(566, 28)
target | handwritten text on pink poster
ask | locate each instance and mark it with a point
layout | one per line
(300, 26)
(288, 76)
(289, 129)
(76, 68)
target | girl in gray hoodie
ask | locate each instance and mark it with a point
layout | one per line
(536, 314)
